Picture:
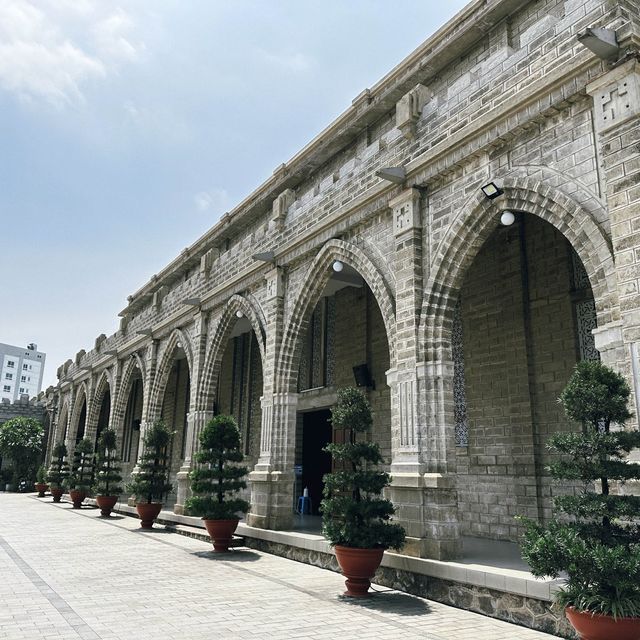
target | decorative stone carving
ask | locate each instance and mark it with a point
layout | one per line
(265, 429)
(281, 205)
(406, 212)
(459, 391)
(616, 96)
(407, 413)
(409, 109)
(275, 284)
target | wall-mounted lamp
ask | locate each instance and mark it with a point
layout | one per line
(507, 218)
(602, 42)
(396, 175)
(491, 190)
(337, 266)
(239, 314)
(178, 345)
(265, 256)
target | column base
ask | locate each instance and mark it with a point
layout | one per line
(271, 500)
(183, 490)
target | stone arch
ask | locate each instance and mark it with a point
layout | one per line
(82, 397)
(308, 294)
(164, 369)
(213, 360)
(474, 224)
(61, 424)
(105, 383)
(119, 403)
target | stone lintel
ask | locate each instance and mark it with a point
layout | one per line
(419, 480)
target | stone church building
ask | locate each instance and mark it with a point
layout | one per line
(454, 242)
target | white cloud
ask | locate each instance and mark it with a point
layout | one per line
(216, 200)
(50, 49)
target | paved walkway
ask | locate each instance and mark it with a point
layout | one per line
(69, 574)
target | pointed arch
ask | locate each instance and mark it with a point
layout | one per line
(176, 338)
(81, 399)
(576, 217)
(309, 292)
(119, 403)
(252, 310)
(105, 383)
(61, 424)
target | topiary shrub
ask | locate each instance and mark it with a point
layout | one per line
(81, 476)
(219, 477)
(58, 469)
(594, 537)
(151, 483)
(353, 512)
(108, 476)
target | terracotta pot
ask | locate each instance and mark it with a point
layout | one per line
(148, 512)
(221, 533)
(358, 567)
(598, 627)
(106, 504)
(56, 493)
(77, 497)
(41, 488)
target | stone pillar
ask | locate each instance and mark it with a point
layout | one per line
(272, 479)
(616, 116)
(196, 420)
(422, 491)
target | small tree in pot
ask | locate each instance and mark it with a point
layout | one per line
(108, 476)
(217, 480)
(595, 539)
(151, 483)
(355, 518)
(81, 477)
(41, 481)
(58, 471)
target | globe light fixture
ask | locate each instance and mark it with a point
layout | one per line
(507, 218)
(338, 266)
(239, 314)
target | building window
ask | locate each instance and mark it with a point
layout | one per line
(7, 388)
(10, 364)
(25, 366)
(22, 390)
(23, 378)
(8, 376)
(39, 356)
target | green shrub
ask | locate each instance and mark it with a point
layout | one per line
(59, 468)
(81, 476)
(41, 474)
(151, 483)
(353, 512)
(594, 538)
(21, 442)
(219, 477)
(108, 476)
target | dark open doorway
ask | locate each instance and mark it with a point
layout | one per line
(316, 434)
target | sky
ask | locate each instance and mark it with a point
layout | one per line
(128, 128)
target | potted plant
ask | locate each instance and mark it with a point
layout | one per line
(108, 477)
(81, 477)
(355, 518)
(216, 481)
(151, 482)
(594, 537)
(58, 471)
(41, 481)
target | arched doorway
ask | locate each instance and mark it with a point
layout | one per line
(524, 318)
(131, 418)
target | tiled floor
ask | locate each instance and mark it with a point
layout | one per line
(69, 574)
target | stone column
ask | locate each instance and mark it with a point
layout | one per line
(616, 116)
(422, 491)
(196, 420)
(272, 479)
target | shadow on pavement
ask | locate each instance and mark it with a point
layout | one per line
(233, 556)
(395, 602)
